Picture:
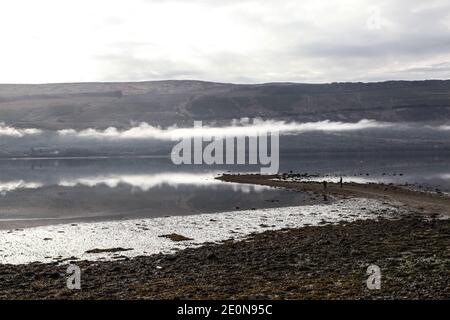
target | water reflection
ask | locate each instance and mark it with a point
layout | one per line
(40, 191)
(47, 191)
(141, 182)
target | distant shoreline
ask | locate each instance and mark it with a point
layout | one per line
(86, 157)
(433, 203)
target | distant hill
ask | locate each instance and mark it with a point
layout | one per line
(99, 105)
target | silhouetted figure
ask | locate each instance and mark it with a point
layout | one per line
(340, 182)
(325, 191)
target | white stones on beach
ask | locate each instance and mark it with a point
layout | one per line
(143, 235)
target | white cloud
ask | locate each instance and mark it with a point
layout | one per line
(238, 128)
(9, 186)
(242, 127)
(17, 132)
(228, 41)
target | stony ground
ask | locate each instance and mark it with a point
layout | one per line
(323, 262)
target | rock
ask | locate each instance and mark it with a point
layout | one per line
(212, 256)
(175, 237)
(108, 250)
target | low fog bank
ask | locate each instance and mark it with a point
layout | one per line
(241, 127)
(144, 139)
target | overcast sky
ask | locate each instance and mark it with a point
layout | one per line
(223, 40)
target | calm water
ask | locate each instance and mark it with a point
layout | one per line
(48, 191)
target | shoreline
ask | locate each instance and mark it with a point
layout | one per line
(433, 203)
(325, 261)
(74, 241)
(314, 262)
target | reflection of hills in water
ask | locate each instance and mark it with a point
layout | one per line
(150, 187)
(137, 182)
(107, 188)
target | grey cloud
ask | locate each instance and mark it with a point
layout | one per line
(411, 34)
(286, 42)
(126, 67)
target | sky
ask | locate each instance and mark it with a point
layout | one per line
(240, 41)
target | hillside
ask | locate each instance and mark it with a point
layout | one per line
(99, 105)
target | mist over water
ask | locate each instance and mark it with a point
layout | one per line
(237, 128)
(242, 127)
(93, 174)
(17, 132)
(143, 139)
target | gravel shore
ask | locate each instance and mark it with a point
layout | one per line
(316, 262)
(329, 261)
